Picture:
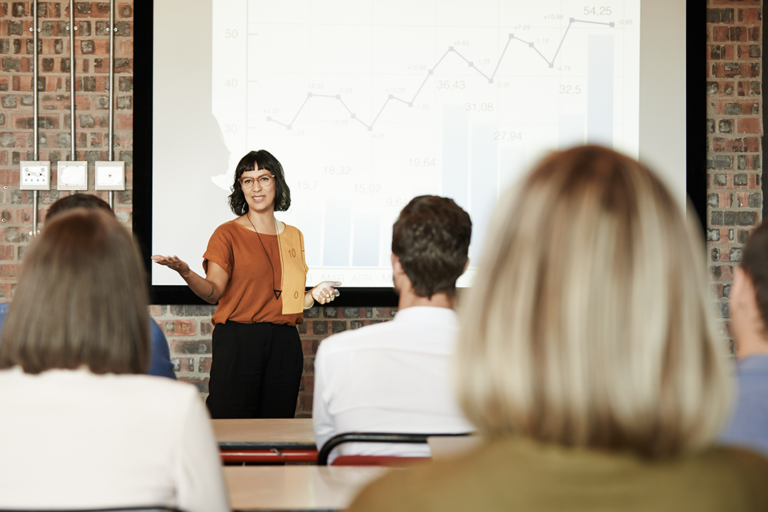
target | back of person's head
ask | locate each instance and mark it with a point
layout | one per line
(431, 239)
(81, 300)
(754, 261)
(77, 200)
(588, 324)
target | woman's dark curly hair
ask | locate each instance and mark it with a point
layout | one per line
(256, 160)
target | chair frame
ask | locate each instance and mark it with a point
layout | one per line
(375, 437)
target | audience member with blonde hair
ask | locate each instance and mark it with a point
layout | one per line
(82, 428)
(587, 359)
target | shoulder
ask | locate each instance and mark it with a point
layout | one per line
(731, 474)
(157, 332)
(169, 400)
(225, 233)
(291, 231)
(149, 384)
(719, 478)
(442, 486)
(753, 368)
(230, 227)
(357, 339)
(732, 459)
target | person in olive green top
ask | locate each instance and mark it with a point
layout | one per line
(587, 359)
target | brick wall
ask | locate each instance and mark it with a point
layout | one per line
(734, 136)
(734, 153)
(91, 116)
(188, 329)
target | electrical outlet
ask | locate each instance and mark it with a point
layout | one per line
(72, 176)
(35, 175)
(110, 176)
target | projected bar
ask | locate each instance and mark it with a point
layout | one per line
(600, 90)
(455, 154)
(365, 248)
(484, 185)
(512, 166)
(570, 131)
(311, 226)
(338, 226)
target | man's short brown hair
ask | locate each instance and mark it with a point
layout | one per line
(754, 261)
(77, 200)
(431, 239)
(81, 300)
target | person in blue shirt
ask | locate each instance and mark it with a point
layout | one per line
(160, 364)
(749, 323)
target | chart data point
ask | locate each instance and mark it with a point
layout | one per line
(464, 140)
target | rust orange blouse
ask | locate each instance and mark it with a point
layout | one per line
(249, 296)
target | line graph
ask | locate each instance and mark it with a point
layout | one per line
(370, 103)
(450, 51)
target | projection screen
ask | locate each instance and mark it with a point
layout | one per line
(369, 103)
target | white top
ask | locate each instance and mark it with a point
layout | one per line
(389, 377)
(72, 439)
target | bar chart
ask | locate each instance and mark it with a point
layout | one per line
(371, 103)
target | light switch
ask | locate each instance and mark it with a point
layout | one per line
(72, 176)
(110, 175)
(35, 175)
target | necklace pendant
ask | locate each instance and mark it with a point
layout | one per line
(277, 293)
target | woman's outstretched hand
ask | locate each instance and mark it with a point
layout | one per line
(325, 292)
(172, 262)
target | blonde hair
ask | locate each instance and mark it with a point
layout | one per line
(588, 321)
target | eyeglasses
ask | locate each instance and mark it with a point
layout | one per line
(266, 181)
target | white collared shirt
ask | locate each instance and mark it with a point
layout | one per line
(71, 439)
(389, 377)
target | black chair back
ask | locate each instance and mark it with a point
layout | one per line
(374, 437)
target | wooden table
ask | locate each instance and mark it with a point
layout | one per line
(296, 487)
(266, 440)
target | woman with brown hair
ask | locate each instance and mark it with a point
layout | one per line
(255, 272)
(82, 426)
(587, 359)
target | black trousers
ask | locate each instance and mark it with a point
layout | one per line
(255, 371)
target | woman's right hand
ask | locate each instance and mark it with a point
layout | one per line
(174, 263)
(325, 292)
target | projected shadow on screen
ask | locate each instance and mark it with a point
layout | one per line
(187, 204)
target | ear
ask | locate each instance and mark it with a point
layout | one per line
(397, 267)
(466, 265)
(742, 289)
